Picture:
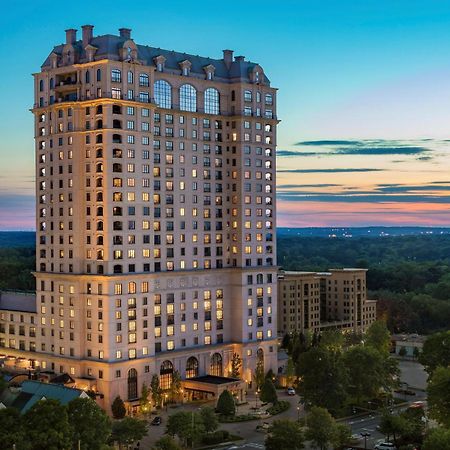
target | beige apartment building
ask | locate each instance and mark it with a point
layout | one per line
(310, 301)
(155, 185)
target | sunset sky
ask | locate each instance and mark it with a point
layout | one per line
(364, 96)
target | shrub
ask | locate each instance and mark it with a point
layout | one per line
(225, 404)
(279, 407)
(216, 438)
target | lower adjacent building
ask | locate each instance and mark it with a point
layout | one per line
(313, 301)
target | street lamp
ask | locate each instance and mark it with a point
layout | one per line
(165, 398)
(256, 399)
(298, 413)
(365, 435)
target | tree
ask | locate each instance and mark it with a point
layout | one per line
(323, 378)
(436, 351)
(47, 426)
(144, 399)
(209, 419)
(91, 426)
(128, 430)
(402, 352)
(332, 340)
(416, 352)
(156, 390)
(258, 374)
(236, 364)
(11, 429)
(342, 435)
(378, 336)
(225, 404)
(284, 434)
(268, 392)
(366, 372)
(118, 408)
(166, 443)
(188, 426)
(437, 438)
(321, 427)
(290, 372)
(391, 425)
(175, 387)
(438, 391)
(285, 342)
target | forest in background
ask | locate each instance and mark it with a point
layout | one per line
(408, 275)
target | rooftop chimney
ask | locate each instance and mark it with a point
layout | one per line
(239, 58)
(71, 36)
(87, 34)
(228, 57)
(125, 33)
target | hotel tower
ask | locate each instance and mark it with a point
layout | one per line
(155, 185)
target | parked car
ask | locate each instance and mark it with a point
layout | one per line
(290, 391)
(385, 446)
(156, 421)
(405, 392)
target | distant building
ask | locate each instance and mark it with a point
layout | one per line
(409, 342)
(314, 301)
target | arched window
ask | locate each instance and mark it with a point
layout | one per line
(165, 375)
(99, 109)
(163, 94)
(100, 226)
(100, 240)
(212, 101)
(117, 124)
(52, 83)
(192, 367)
(130, 77)
(215, 367)
(99, 168)
(99, 124)
(143, 80)
(87, 77)
(132, 384)
(99, 153)
(98, 139)
(100, 211)
(100, 255)
(41, 85)
(99, 196)
(188, 98)
(99, 74)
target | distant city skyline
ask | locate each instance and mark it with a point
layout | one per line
(375, 73)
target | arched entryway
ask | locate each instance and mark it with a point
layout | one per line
(216, 365)
(165, 375)
(192, 367)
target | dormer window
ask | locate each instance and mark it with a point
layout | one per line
(185, 67)
(160, 67)
(257, 77)
(159, 62)
(209, 70)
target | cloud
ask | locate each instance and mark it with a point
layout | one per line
(361, 198)
(329, 143)
(328, 170)
(297, 186)
(380, 151)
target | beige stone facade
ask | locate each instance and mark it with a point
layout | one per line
(155, 183)
(316, 301)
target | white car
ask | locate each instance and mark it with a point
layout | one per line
(290, 391)
(385, 446)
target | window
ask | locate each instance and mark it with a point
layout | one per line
(247, 96)
(130, 77)
(215, 367)
(212, 101)
(192, 367)
(132, 384)
(165, 375)
(188, 98)
(116, 75)
(163, 94)
(143, 80)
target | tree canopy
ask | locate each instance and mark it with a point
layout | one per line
(284, 434)
(438, 391)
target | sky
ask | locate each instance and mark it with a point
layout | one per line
(364, 96)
